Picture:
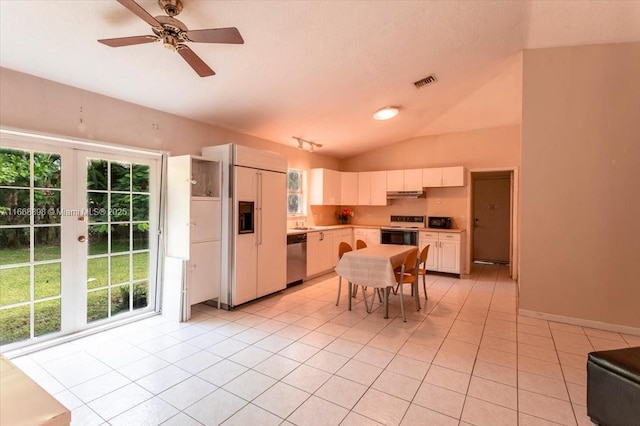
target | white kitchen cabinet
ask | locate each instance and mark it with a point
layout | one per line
(319, 252)
(443, 176)
(348, 188)
(453, 176)
(368, 235)
(372, 188)
(404, 180)
(193, 233)
(445, 250)
(378, 188)
(325, 187)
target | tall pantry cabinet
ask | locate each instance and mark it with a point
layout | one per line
(193, 234)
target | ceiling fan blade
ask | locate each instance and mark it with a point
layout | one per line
(128, 41)
(194, 60)
(138, 10)
(216, 35)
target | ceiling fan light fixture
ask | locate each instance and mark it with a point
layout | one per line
(386, 113)
(170, 42)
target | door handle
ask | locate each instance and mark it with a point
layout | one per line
(82, 238)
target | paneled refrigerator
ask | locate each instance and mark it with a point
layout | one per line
(254, 222)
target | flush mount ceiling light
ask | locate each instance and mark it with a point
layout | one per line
(312, 145)
(386, 113)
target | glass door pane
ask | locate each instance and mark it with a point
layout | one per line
(30, 244)
(119, 270)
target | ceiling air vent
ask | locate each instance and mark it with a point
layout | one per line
(424, 81)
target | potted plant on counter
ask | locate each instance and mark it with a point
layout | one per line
(344, 215)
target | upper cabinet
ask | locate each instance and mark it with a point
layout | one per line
(372, 188)
(404, 180)
(443, 176)
(349, 188)
(325, 187)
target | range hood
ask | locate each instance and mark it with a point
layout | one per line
(392, 195)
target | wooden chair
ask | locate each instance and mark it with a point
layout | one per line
(422, 260)
(408, 274)
(342, 249)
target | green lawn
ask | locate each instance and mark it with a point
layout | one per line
(15, 288)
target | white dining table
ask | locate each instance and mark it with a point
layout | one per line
(373, 266)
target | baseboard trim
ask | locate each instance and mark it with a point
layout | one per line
(581, 322)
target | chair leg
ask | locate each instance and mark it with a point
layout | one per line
(339, 289)
(424, 285)
(416, 293)
(379, 294)
(404, 317)
(355, 290)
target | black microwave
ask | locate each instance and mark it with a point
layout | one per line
(440, 222)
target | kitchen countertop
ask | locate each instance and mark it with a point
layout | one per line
(321, 228)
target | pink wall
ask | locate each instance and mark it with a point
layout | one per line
(580, 203)
(35, 104)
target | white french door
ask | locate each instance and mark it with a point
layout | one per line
(116, 235)
(78, 237)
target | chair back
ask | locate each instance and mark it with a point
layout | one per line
(410, 264)
(423, 255)
(360, 244)
(343, 248)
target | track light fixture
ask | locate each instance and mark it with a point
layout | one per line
(312, 145)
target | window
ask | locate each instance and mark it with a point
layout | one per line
(295, 196)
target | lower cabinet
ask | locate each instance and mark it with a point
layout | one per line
(445, 250)
(203, 271)
(319, 252)
(368, 235)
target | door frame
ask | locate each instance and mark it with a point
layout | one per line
(71, 146)
(514, 246)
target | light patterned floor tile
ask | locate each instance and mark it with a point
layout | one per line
(307, 378)
(483, 413)
(341, 391)
(318, 412)
(496, 393)
(187, 392)
(440, 399)
(281, 399)
(385, 408)
(397, 385)
(417, 415)
(150, 413)
(216, 407)
(545, 407)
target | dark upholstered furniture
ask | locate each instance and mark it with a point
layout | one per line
(613, 387)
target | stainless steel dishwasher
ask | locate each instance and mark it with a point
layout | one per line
(296, 258)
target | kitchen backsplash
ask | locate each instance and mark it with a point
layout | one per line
(438, 202)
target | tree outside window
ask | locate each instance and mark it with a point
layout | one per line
(295, 198)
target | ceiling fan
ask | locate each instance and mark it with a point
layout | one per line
(173, 34)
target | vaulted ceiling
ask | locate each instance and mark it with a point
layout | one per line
(316, 70)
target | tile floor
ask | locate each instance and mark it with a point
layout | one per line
(295, 358)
